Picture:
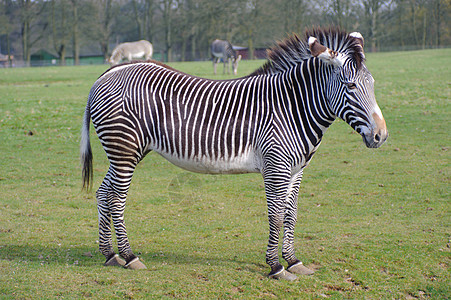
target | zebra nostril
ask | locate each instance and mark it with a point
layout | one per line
(377, 137)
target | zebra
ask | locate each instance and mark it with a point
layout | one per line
(223, 49)
(271, 121)
(129, 51)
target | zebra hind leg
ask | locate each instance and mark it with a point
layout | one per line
(295, 266)
(105, 240)
(111, 205)
(215, 63)
(291, 207)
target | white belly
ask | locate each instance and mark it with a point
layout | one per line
(138, 54)
(246, 163)
(217, 54)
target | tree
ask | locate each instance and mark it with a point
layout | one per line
(168, 8)
(250, 16)
(184, 29)
(60, 29)
(32, 25)
(340, 12)
(143, 12)
(372, 8)
(294, 11)
(75, 32)
(103, 24)
(6, 27)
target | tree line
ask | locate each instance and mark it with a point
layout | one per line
(184, 29)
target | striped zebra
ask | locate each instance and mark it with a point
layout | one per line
(271, 122)
(223, 49)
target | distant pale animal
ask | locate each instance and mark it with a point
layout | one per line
(271, 121)
(132, 50)
(224, 50)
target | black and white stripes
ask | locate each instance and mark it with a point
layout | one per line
(271, 122)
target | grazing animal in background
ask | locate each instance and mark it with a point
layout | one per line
(132, 50)
(224, 50)
(271, 122)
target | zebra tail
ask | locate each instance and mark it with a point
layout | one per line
(86, 152)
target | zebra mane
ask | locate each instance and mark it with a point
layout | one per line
(294, 50)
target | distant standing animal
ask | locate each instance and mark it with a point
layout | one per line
(270, 122)
(132, 50)
(224, 50)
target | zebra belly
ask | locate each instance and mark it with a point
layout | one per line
(218, 54)
(245, 163)
(138, 54)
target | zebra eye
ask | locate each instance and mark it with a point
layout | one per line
(351, 85)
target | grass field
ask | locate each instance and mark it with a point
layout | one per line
(374, 224)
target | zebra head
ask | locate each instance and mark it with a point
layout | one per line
(350, 91)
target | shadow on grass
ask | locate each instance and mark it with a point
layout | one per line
(85, 256)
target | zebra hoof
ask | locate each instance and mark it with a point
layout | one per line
(284, 275)
(115, 261)
(135, 264)
(300, 269)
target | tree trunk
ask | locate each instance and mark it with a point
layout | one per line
(105, 28)
(8, 45)
(167, 13)
(338, 12)
(75, 34)
(424, 29)
(250, 46)
(26, 42)
(436, 17)
(62, 54)
(25, 13)
(139, 21)
(29, 10)
(193, 44)
(414, 20)
(374, 10)
(149, 20)
(59, 32)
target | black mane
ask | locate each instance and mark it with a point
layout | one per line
(294, 50)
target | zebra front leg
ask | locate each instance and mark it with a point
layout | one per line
(289, 223)
(276, 186)
(226, 65)
(214, 64)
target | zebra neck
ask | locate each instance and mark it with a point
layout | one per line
(303, 92)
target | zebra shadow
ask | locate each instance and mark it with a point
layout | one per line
(48, 255)
(87, 256)
(159, 259)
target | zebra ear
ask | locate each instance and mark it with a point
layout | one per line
(325, 54)
(359, 38)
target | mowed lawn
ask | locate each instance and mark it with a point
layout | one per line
(373, 223)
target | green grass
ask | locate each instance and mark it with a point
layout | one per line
(375, 224)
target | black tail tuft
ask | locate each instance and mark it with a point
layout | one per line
(86, 152)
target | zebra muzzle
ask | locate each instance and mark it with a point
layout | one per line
(378, 135)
